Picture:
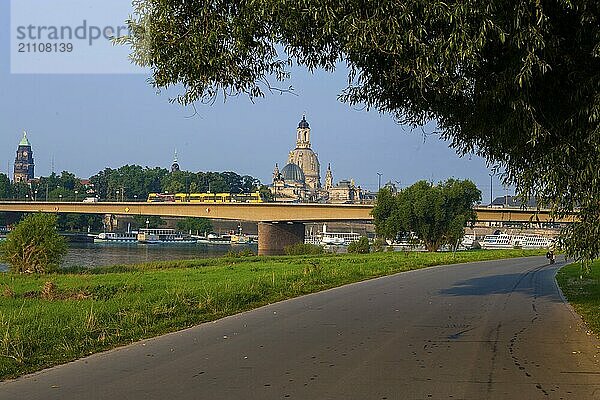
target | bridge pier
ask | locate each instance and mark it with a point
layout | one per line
(274, 237)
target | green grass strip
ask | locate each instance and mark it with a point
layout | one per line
(52, 319)
(582, 288)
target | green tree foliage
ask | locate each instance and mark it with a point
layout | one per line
(153, 222)
(79, 222)
(136, 182)
(128, 183)
(21, 190)
(515, 82)
(5, 187)
(437, 214)
(195, 225)
(299, 249)
(265, 193)
(34, 245)
(57, 187)
(361, 246)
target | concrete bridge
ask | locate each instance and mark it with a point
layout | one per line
(279, 225)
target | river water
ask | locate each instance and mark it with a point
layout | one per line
(92, 255)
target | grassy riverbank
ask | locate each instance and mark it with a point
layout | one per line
(48, 320)
(582, 289)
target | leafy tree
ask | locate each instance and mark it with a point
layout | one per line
(385, 215)
(79, 222)
(266, 193)
(154, 221)
(69, 181)
(5, 187)
(34, 245)
(136, 182)
(361, 246)
(515, 82)
(437, 214)
(195, 225)
(61, 194)
(20, 190)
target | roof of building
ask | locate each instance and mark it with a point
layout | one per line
(303, 124)
(24, 141)
(293, 173)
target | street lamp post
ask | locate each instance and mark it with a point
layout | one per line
(76, 192)
(35, 195)
(117, 195)
(491, 188)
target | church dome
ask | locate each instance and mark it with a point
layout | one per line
(292, 173)
(303, 124)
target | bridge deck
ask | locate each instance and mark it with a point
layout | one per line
(262, 212)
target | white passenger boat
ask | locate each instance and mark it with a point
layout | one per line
(213, 238)
(504, 241)
(115, 237)
(163, 236)
(338, 238)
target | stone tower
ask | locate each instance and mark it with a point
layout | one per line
(328, 178)
(276, 173)
(304, 157)
(24, 166)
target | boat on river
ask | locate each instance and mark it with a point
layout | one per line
(240, 239)
(505, 241)
(163, 236)
(116, 237)
(337, 238)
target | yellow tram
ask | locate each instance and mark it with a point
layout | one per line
(254, 197)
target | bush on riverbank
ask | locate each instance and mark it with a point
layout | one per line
(85, 311)
(300, 249)
(361, 246)
(34, 245)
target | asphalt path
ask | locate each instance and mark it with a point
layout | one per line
(487, 330)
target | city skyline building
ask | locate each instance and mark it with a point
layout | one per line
(24, 168)
(300, 178)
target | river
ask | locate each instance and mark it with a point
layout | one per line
(92, 255)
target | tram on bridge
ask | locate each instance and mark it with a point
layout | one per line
(254, 197)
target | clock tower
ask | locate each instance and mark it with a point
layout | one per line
(24, 165)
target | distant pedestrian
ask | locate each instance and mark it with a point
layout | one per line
(550, 253)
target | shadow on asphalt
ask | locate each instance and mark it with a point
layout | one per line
(526, 283)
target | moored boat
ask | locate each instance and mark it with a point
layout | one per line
(115, 237)
(338, 238)
(505, 241)
(163, 236)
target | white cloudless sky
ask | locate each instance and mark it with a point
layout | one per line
(89, 121)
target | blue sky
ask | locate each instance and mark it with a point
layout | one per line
(88, 121)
